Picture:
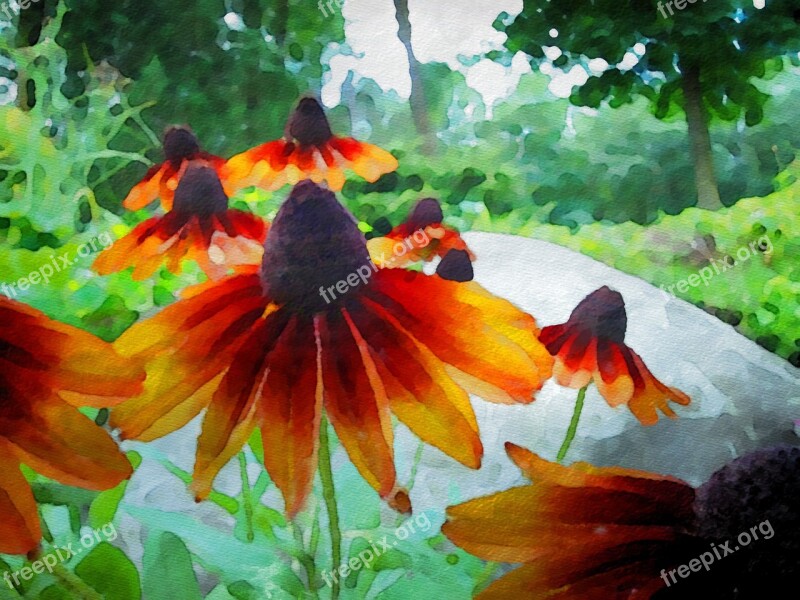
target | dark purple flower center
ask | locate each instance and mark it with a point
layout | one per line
(308, 124)
(427, 212)
(200, 193)
(313, 243)
(602, 313)
(180, 144)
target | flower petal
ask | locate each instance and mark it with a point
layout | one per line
(57, 441)
(420, 391)
(469, 328)
(233, 412)
(20, 531)
(356, 401)
(290, 407)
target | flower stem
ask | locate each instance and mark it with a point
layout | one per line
(573, 425)
(247, 501)
(329, 494)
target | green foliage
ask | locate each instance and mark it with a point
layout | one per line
(167, 568)
(729, 41)
(111, 573)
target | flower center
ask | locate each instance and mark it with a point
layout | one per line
(180, 144)
(200, 193)
(603, 313)
(313, 243)
(308, 124)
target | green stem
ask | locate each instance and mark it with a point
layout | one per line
(75, 584)
(306, 560)
(415, 466)
(573, 425)
(329, 494)
(247, 501)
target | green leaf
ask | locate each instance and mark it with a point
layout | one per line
(167, 568)
(110, 572)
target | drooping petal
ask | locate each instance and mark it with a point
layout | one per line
(366, 160)
(57, 441)
(233, 412)
(290, 407)
(185, 348)
(356, 401)
(420, 391)
(651, 396)
(84, 368)
(465, 326)
(587, 532)
(20, 531)
(660, 489)
(149, 188)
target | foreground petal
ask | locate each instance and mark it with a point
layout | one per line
(290, 407)
(420, 390)
(20, 531)
(356, 401)
(232, 414)
(59, 442)
(466, 326)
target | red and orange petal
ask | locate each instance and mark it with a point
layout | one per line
(218, 243)
(587, 532)
(85, 370)
(53, 438)
(619, 373)
(186, 349)
(162, 180)
(275, 164)
(401, 247)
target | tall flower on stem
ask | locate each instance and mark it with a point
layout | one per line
(199, 227)
(180, 149)
(308, 150)
(423, 237)
(46, 369)
(590, 346)
(269, 350)
(585, 532)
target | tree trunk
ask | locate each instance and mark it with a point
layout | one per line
(419, 107)
(700, 140)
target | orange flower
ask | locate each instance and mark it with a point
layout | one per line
(272, 350)
(309, 150)
(422, 237)
(585, 532)
(199, 227)
(43, 366)
(180, 148)
(591, 347)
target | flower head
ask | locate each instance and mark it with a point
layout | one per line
(199, 227)
(46, 369)
(270, 350)
(423, 237)
(180, 149)
(588, 532)
(590, 346)
(308, 150)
